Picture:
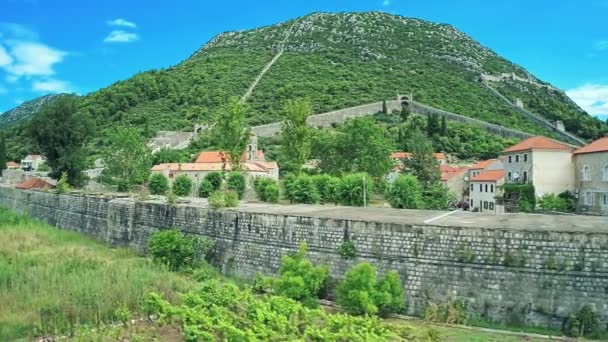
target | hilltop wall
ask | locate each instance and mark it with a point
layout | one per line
(508, 275)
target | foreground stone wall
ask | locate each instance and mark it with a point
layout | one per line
(538, 277)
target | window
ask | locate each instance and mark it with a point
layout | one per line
(588, 198)
(605, 178)
(480, 187)
(492, 188)
(525, 157)
(471, 203)
(486, 187)
(510, 159)
(517, 158)
(586, 173)
(491, 205)
(485, 204)
(605, 200)
(525, 179)
(510, 175)
(471, 187)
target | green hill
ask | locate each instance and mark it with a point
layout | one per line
(336, 61)
(26, 110)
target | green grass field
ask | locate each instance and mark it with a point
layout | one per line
(54, 282)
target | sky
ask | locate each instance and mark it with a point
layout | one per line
(50, 46)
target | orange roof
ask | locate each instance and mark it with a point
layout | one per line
(600, 145)
(197, 167)
(448, 172)
(405, 155)
(34, 156)
(489, 176)
(483, 164)
(212, 157)
(537, 143)
(12, 164)
(35, 183)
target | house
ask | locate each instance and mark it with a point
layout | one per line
(35, 183)
(399, 157)
(453, 177)
(485, 193)
(591, 177)
(544, 162)
(479, 167)
(32, 162)
(11, 165)
(254, 165)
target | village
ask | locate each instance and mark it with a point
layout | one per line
(546, 167)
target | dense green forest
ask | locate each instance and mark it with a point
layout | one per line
(333, 61)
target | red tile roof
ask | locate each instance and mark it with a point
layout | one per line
(212, 157)
(405, 155)
(489, 176)
(483, 164)
(538, 143)
(197, 167)
(35, 183)
(448, 172)
(12, 164)
(600, 145)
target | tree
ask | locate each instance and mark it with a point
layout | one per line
(422, 162)
(177, 250)
(390, 296)
(437, 197)
(301, 189)
(384, 107)
(405, 193)
(295, 135)
(236, 181)
(205, 189)
(128, 159)
(404, 114)
(231, 133)
(216, 179)
(432, 125)
(182, 186)
(60, 132)
(360, 145)
(444, 126)
(158, 184)
(354, 189)
(2, 153)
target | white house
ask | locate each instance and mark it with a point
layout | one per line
(32, 162)
(591, 180)
(485, 194)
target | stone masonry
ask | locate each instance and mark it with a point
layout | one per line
(533, 268)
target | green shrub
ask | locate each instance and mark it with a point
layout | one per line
(216, 200)
(63, 185)
(405, 193)
(360, 293)
(354, 189)
(205, 189)
(437, 197)
(216, 179)
(231, 199)
(158, 184)
(266, 189)
(301, 189)
(177, 250)
(299, 279)
(347, 250)
(182, 186)
(551, 202)
(236, 181)
(326, 187)
(584, 323)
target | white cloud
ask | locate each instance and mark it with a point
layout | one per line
(593, 98)
(386, 3)
(601, 45)
(33, 59)
(121, 22)
(5, 58)
(120, 36)
(51, 86)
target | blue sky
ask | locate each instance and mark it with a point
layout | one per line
(76, 46)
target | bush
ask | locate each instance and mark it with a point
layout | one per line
(437, 197)
(405, 193)
(205, 189)
(182, 186)
(562, 203)
(585, 323)
(224, 199)
(299, 279)
(353, 189)
(216, 179)
(63, 185)
(158, 184)
(177, 250)
(347, 250)
(301, 189)
(326, 187)
(231, 199)
(266, 189)
(236, 181)
(361, 294)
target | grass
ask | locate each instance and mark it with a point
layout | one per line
(52, 281)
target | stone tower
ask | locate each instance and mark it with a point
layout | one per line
(252, 148)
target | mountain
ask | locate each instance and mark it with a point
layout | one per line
(336, 60)
(26, 110)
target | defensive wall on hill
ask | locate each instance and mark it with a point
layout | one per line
(530, 268)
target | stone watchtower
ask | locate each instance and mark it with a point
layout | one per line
(252, 148)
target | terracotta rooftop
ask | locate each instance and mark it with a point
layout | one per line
(405, 155)
(34, 156)
(448, 171)
(12, 164)
(600, 145)
(483, 164)
(247, 166)
(219, 156)
(489, 176)
(35, 183)
(538, 143)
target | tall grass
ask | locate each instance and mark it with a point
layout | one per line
(53, 281)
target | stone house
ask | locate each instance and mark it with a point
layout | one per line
(591, 177)
(485, 192)
(453, 177)
(544, 162)
(32, 162)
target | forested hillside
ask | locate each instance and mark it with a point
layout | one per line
(335, 61)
